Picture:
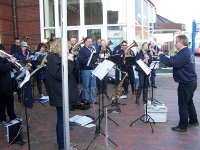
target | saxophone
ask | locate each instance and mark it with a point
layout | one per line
(119, 90)
(104, 48)
(75, 48)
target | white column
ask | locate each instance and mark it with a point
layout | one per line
(56, 14)
(41, 19)
(65, 94)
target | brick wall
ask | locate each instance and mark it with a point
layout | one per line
(28, 22)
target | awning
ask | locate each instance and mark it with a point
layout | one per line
(166, 24)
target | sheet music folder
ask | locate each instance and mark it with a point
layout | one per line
(130, 61)
(93, 58)
(118, 59)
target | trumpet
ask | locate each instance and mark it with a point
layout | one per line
(8, 57)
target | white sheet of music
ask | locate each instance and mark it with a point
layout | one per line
(144, 67)
(102, 69)
(154, 65)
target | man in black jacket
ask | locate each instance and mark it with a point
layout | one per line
(184, 74)
(6, 92)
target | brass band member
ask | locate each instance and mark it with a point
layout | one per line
(22, 55)
(127, 68)
(6, 92)
(154, 52)
(72, 42)
(87, 79)
(42, 73)
(104, 54)
(145, 55)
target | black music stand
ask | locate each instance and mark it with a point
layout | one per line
(99, 130)
(118, 60)
(152, 98)
(146, 117)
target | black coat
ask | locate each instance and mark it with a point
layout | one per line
(54, 79)
(6, 84)
(54, 88)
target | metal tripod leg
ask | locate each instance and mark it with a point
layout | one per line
(33, 114)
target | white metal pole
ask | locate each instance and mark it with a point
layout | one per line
(65, 74)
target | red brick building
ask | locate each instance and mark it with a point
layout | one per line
(26, 22)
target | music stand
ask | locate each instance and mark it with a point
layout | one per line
(100, 71)
(146, 117)
(130, 61)
(152, 67)
(93, 59)
(118, 60)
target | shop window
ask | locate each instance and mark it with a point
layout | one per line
(73, 12)
(93, 12)
(72, 33)
(95, 34)
(116, 34)
(138, 12)
(49, 33)
(49, 15)
(116, 12)
(145, 14)
(138, 36)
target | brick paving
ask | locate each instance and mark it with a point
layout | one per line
(137, 137)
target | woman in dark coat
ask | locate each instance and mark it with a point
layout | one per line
(41, 75)
(145, 55)
(54, 89)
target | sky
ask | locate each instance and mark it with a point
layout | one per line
(179, 11)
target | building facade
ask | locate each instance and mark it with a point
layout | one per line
(106, 19)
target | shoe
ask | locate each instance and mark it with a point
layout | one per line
(179, 129)
(40, 100)
(97, 103)
(41, 95)
(192, 124)
(72, 123)
(5, 123)
(154, 86)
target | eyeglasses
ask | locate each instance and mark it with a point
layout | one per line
(124, 45)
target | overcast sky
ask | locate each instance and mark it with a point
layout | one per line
(179, 11)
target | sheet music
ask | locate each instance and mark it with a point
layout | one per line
(144, 67)
(102, 69)
(90, 59)
(27, 78)
(154, 65)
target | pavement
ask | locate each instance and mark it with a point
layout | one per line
(139, 136)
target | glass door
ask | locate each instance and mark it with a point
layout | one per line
(95, 34)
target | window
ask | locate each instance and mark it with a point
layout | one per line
(116, 34)
(73, 12)
(145, 14)
(116, 11)
(138, 13)
(49, 15)
(93, 12)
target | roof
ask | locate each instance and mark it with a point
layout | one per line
(160, 19)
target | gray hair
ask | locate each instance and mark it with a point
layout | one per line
(183, 39)
(153, 42)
